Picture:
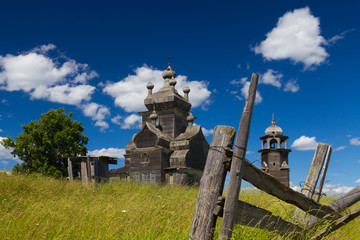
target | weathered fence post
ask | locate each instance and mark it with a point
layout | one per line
(70, 171)
(212, 183)
(315, 168)
(237, 162)
(320, 161)
(323, 174)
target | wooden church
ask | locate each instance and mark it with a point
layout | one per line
(169, 148)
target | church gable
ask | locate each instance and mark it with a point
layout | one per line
(145, 138)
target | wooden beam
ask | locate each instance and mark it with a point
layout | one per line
(212, 183)
(269, 184)
(238, 161)
(339, 205)
(349, 199)
(338, 224)
(249, 215)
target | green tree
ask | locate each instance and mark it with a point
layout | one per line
(45, 145)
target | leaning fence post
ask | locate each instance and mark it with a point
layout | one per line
(212, 183)
(237, 162)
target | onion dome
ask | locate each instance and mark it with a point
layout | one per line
(153, 115)
(169, 73)
(273, 129)
(172, 82)
(150, 85)
(186, 89)
(190, 117)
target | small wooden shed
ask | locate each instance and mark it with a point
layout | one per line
(92, 169)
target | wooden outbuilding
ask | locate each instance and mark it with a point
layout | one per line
(92, 169)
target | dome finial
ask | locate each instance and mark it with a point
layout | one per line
(273, 120)
(154, 116)
(167, 74)
(169, 60)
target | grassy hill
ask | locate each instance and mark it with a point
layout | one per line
(36, 207)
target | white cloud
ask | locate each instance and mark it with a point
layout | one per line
(132, 121)
(355, 141)
(72, 95)
(1, 130)
(294, 187)
(58, 79)
(338, 189)
(238, 82)
(336, 38)
(4, 101)
(116, 119)
(129, 93)
(271, 77)
(357, 181)
(207, 132)
(291, 86)
(339, 148)
(296, 37)
(305, 143)
(245, 92)
(110, 152)
(5, 153)
(97, 113)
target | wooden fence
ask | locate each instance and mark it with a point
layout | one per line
(221, 158)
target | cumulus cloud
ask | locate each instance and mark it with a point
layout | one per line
(58, 79)
(98, 113)
(357, 181)
(129, 93)
(295, 37)
(129, 122)
(5, 153)
(305, 143)
(109, 152)
(355, 141)
(207, 132)
(271, 77)
(336, 189)
(66, 94)
(291, 86)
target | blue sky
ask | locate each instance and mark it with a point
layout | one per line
(94, 58)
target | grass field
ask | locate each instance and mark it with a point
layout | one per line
(36, 207)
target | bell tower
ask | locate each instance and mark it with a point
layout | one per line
(274, 153)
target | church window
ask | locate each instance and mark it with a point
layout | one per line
(152, 178)
(137, 177)
(144, 177)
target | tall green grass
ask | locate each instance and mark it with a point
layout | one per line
(36, 207)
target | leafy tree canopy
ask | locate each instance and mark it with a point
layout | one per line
(45, 145)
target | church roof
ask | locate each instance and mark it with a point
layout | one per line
(167, 97)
